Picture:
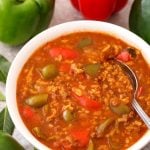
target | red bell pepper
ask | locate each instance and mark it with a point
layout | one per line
(66, 53)
(124, 56)
(30, 114)
(27, 112)
(86, 102)
(81, 136)
(98, 9)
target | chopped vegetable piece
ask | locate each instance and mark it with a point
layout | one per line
(92, 69)
(64, 67)
(45, 109)
(27, 112)
(81, 136)
(90, 145)
(49, 72)
(53, 137)
(104, 126)
(54, 52)
(37, 100)
(66, 53)
(84, 42)
(124, 56)
(30, 115)
(87, 102)
(69, 53)
(37, 132)
(120, 109)
(68, 115)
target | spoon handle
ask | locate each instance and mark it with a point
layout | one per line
(141, 113)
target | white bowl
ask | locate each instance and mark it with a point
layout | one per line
(53, 33)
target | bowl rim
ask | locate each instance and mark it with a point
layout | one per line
(48, 35)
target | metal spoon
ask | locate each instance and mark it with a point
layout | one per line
(134, 81)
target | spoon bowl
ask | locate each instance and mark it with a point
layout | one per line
(130, 73)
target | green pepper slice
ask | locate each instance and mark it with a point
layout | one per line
(84, 42)
(37, 100)
(102, 127)
(120, 109)
(36, 131)
(68, 115)
(49, 72)
(92, 69)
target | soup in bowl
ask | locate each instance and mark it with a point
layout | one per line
(65, 91)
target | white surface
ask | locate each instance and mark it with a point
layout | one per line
(63, 12)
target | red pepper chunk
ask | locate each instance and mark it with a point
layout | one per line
(54, 52)
(86, 102)
(124, 56)
(81, 136)
(29, 114)
(66, 53)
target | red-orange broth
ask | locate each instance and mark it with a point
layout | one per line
(72, 96)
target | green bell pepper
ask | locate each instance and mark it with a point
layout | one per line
(7, 142)
(22, 19)
(139, 20)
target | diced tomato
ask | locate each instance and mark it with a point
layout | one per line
(81, 136)
(87, 102)
(64, 67)
(65, 52)
(140, 90)
(29, 114)
(54, 52)
(124, 56)
(69, 53)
